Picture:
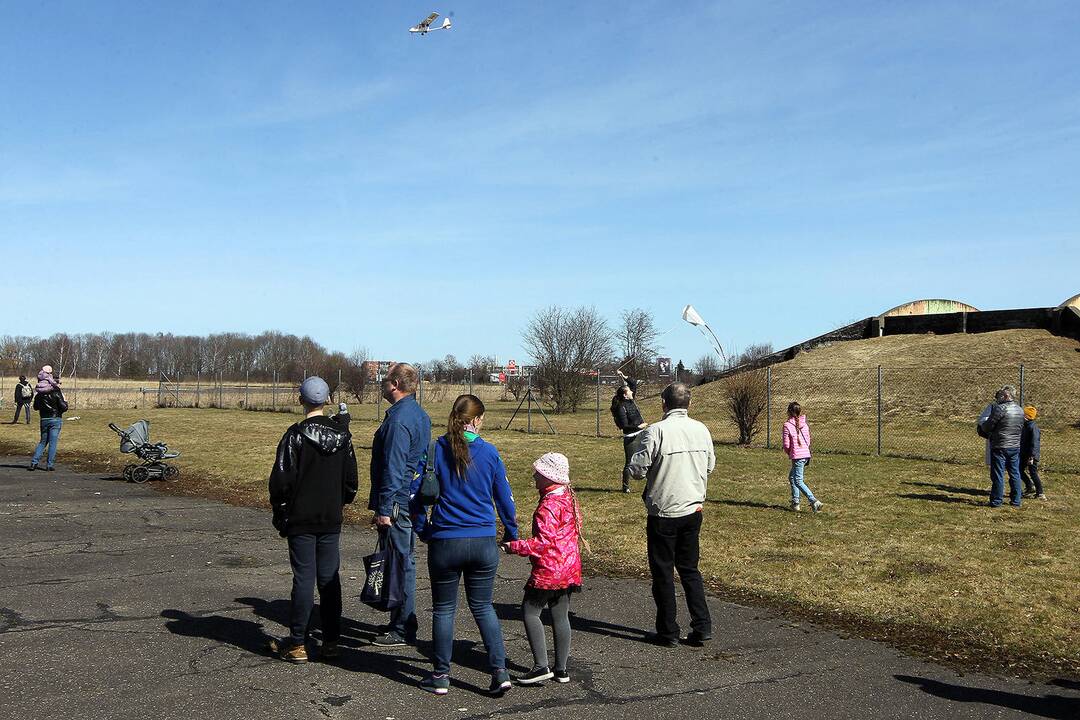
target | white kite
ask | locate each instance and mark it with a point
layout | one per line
(424, 26)
(690, 315)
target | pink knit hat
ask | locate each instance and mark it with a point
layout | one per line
(555, 467)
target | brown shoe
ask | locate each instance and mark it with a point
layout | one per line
(288, 652)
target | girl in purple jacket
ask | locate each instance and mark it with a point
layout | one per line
(797, 447)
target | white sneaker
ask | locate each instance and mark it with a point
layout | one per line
(817, 506)
(796, 507)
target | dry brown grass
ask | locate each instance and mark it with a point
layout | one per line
(904, 552)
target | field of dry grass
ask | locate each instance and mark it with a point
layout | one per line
(905, 550)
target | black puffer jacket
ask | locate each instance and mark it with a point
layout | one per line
(50, 404)
(628, 417)
(1004, 426)
(314, 476)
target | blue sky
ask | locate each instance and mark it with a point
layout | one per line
(311, 167)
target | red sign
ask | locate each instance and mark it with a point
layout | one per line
(502, 377)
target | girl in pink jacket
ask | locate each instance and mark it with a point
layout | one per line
(556, 566)
(797, 447)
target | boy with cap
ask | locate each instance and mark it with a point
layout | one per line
(314, 477)
(1029, 454)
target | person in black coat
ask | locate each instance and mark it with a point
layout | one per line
(24, 396)
(313, 478)
(628, 419)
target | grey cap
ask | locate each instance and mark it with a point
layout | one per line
(314, 391)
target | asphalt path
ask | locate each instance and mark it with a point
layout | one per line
(118, 601)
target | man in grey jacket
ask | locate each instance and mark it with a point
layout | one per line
(1002, 429)
(675, 457)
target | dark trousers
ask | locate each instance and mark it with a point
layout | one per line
(1030, 474)
(628, 444)
(18, 409)
(315, 560)
(673, 545)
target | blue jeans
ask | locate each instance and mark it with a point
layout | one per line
(478, 559)
(402, 539)
(1002, 459)
(315, 559)
(795, 477)
(50, 435)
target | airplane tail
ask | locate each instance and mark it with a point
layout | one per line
(446, 24)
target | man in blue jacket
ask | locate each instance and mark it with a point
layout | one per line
(399, 445)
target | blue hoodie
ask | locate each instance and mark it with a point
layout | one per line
(466, 506)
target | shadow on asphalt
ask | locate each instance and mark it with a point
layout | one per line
(508, 612)
(949, 488)
(401, 665)
(1047, 706)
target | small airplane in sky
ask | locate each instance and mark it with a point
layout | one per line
(425, 25)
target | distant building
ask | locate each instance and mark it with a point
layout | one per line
(929, 307)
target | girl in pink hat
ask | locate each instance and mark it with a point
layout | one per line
(556, 566)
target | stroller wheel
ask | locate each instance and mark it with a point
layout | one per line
(127, 471)
(140, 474)
(172, 473)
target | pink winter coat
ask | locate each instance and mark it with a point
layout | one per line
(797, 442)
(553, 547)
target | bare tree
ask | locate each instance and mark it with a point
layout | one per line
(754, 352)
(566, 345)
(637, 336)
(745, 396)
(355, 376)
(480, 366)
(707, 366)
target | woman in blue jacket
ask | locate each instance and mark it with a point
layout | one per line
(461, 538)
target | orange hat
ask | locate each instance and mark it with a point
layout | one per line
(1030, 412)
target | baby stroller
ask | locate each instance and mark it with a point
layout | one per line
(136, 439)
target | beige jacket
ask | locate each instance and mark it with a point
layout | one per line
(675, 456)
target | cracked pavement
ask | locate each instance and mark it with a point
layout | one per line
(117, 601)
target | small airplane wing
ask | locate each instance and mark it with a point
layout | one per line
(424, 24)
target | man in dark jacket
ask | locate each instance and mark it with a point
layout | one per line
(400, 443)
(24, 396)
(314, 477)
(50, 407)
(1003, 429)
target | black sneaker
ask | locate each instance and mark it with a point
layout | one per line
(661, 640)
(32, 467)
(389, 640)
(437, 684)
(500, 683)
(696, 639)
(535, 676)
(561, 676)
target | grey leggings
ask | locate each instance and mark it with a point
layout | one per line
(560, 626)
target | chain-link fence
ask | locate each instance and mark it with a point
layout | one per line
(924, 413)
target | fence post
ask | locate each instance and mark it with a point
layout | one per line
(273, 390)
(1021, 385)
(420, 385)
(878, 409)
(471, 382)
(529, 400)
(247, 388)
(221, 389)
(598, 401)
(768, 407)
(198, 387)
(337, 388)
(160, 383)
